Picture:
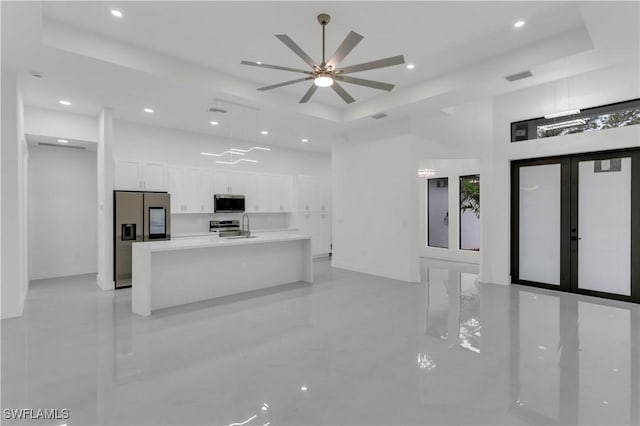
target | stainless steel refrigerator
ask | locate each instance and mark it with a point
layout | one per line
(138, 216)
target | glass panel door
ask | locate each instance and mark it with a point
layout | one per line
(539, 223)
(576, 223)
(604, 225)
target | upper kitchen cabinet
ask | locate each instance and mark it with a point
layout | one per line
(229, 182)
(191, 190)
(136, 175)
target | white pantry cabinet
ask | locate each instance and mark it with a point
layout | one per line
(318, 225)
(191, 190)
(280, 193)
(314, 211)
(314, 193)
(137, 175)
(269, 193)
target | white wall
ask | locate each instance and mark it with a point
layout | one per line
(587, 90)
(375, 209)
(45, 122)
(13, 225)
(62, 212)
(105, 199)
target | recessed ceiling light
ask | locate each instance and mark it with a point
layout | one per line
(410, 66)
(149, 110)
(518, 24)
(213, 123)
(264, 132)
(63, 141)
(116, 13)
(305, 140)
(258, 62)
(66, 103)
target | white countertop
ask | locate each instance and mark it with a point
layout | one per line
(215, 241)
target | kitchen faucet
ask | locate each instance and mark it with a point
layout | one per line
(246, 233)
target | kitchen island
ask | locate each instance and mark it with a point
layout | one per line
(186, 270)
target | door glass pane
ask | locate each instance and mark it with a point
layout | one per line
(438, 217)
(604, 225)
(470, 212)
(540, 224)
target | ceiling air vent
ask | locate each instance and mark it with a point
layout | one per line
(217, 110)
(57, 145)
(519, 76)
(379, 116)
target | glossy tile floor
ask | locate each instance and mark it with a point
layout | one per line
(351, 349)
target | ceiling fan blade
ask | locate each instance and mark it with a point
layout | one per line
(296, 49)
(308, 95)
(369, 83)
(286, 83)
(275, 67)
(380, 63)
(342, 93)
(343, 50)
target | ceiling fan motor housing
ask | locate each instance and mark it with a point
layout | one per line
(324, 19)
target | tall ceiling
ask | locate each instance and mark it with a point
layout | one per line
(181, 58)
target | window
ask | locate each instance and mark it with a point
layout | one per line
(470, 212)
(587, 120)
(438, 217)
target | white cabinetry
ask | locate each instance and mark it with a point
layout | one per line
(140, 175)
(314, 193)
(228, 182)
(191, 190)
(264, 193)
(314, 211)
(280, 189)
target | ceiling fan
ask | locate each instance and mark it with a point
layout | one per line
(326, 74)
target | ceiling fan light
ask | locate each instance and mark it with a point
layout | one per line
(323, 81)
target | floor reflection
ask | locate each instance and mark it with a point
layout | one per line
(350, 349)
(572, 359)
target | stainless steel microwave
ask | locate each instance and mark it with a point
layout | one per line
(227, 203)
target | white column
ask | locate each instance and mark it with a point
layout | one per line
(13, 212)
(495, 218)
(105, 200)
